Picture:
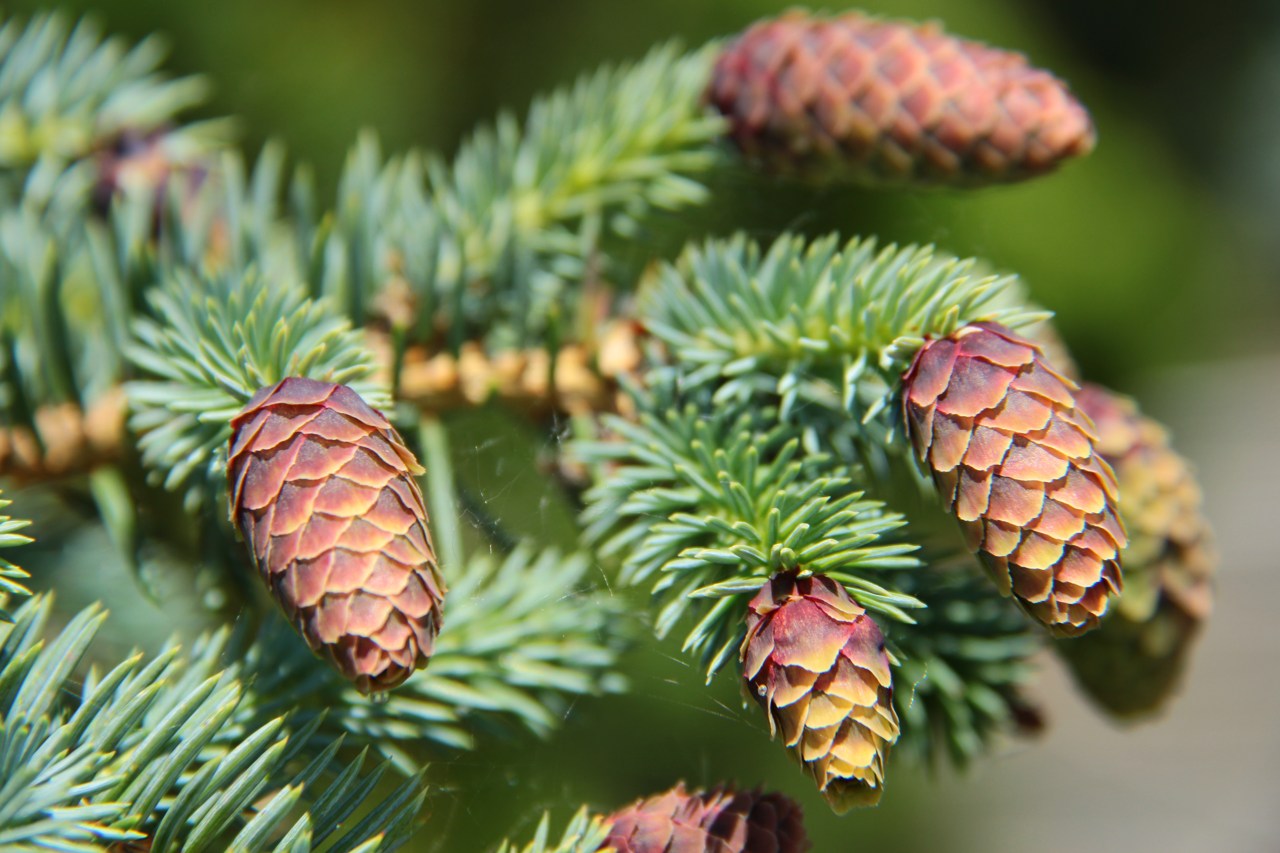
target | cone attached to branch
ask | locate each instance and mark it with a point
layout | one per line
(1013, 457)
(322, 490)
(1133, 664)
(817, 664)
(717, 821)
(854, 97)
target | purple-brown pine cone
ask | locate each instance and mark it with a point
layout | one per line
(860, 98)
(1013, 457)
(816, 662)
(322, 489)
(721, 820)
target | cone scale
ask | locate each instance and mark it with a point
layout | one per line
(322, 490)
(1013, 458)
(720, 820)
(816, 663)
(878, 101)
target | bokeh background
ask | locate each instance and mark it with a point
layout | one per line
(1160, 254)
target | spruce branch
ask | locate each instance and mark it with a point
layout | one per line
(213, 344)
(709, 503)
(66, 90)
(963, 666)
(11, 576)
(585, 833)
(149, 749)
(525, 636)
(66, 440)
(814, 322)
(590, 160)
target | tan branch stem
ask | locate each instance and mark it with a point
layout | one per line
(68, 440)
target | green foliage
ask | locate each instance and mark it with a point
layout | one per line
(709, 504)
(814, 323)
(213, 344)
(486, 246)
(962, 666)
(526, 634)
(528, 206)
(482, 248)
(584, 834)
(54, 321)
(11, 576)
(149, 748)
(65, 90)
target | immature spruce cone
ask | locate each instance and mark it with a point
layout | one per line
(717, 821)
(885, 101)
(1013, 458)
(1133, 663)
(1171, 551)
(323, 492)
(146, 162)
(816, 662)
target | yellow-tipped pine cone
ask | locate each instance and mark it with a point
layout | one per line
(817, 664)
(1132, 665)
(717, 821)
(1170, 550)
(872, 100)
(1013, 458)
(322, 490)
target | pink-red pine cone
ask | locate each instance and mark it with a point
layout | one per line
(322, 489)
(721, 820)
(1013, 458)
(874, 100)
(816, 662)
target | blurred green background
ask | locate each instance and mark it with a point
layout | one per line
(1160, 253)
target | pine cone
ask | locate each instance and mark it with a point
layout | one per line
(1133, 664)
(1171, 549)
(816, 662)
(322, 489)
(1013, 458)
(885, 101)
(717, 821)
(1132, 669)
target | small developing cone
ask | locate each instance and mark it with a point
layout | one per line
(147, 163)
(322, 490)
(1013, 458)
(857, 98)
(817, 664)
(1132, 665)
(717, 821)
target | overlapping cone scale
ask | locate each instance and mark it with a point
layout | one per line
(816, 662)
(322, 490)
(1013, 458)
(861, 98)
(720, 820)
(1133, 664)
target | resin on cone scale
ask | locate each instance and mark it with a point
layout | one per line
(323, 491)
(878, 101)
(1133, 664)
(816, 662)
(1013, 458)
(720, 820)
